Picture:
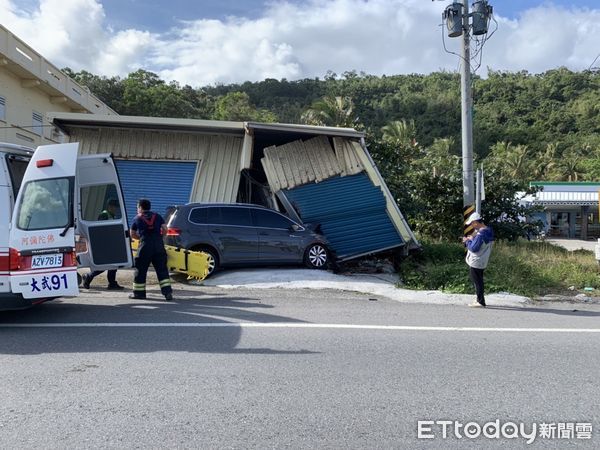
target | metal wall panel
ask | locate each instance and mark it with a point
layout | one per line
(219, 175)
(142, 144)
(163, 183)
(352, 214)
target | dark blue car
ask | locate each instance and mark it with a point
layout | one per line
(245, 235)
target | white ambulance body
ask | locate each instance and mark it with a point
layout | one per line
(60, 197)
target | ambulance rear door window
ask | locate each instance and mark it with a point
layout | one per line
(46, 204)
(98, 200)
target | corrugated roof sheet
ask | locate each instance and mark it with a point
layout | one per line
(352, 214)
(345, 151)
(301, 162)
(564, 198)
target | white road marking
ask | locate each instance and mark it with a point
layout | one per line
(332, 326)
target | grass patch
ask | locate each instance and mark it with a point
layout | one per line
(525, 268)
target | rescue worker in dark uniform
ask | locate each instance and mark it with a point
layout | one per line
(110, 213)
(147, 227)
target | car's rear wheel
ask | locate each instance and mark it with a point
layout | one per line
(316, 256)
(213, 258)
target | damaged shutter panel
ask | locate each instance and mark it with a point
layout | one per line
(352, 213)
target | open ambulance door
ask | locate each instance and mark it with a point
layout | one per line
(101, 217)
(42, 234)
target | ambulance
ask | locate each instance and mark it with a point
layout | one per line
(50, 198)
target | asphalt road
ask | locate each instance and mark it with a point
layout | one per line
(292, 369)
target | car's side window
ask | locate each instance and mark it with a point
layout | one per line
(236, 216)
(269, 219)
(199, 215)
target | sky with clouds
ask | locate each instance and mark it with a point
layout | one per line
(225, 41)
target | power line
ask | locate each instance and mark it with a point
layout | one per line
(595, 59)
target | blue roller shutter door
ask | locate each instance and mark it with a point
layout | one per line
(163, 183)
(352, 213)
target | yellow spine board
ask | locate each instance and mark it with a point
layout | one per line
(198, 265)
(193, 264)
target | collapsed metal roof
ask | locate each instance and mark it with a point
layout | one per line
(65, 121)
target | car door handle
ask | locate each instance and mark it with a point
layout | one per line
(263, 234)
(217, 230)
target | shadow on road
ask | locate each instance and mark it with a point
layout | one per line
(562, 312)
(176, 333)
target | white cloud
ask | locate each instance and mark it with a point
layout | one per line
(295, 41)
(544, 38)
(72, 33)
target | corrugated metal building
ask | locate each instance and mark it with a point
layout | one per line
(175, 161)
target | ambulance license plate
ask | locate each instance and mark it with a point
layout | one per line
(46, 261)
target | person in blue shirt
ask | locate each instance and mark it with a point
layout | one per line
(479, 248)
(149, 227)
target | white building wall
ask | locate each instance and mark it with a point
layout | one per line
(28, 84)
(20, 103)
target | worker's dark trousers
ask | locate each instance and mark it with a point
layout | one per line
(111, 275)
(476, 276)
(151, 251)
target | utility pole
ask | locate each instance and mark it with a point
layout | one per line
(457, 18)
(466, 103)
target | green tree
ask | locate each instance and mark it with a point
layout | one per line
(400, 132)
(236, 106)
(109, 90)
(570, 166)
(331, 111)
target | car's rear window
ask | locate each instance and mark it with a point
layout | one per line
(199, 215)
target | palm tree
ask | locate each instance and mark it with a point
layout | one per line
(331, 111)
(440, 157)
(516, 164)
(569, 166)
(400, 132)
(544, 167)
